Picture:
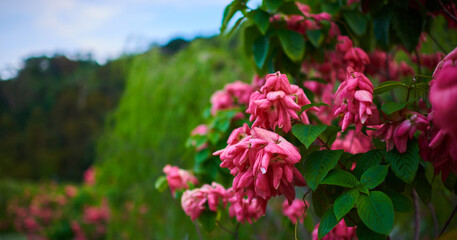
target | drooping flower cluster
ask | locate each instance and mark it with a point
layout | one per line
(194, 201)
(354, 100)
(401, 128)
(340, 232)
(295, 211)
(246, 210)
(178, 179)
(276, 103)
(443, 94)
(263, 164)
(232, 95)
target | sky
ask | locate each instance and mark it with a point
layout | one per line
(104, 28)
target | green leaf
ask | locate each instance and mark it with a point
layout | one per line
(289, 8)
(208, 220)
(381, 23)
(307, 134)
(318, 164)
(329, 135)
(376, 211)
(367, 160)
(405, 165)
(316, 37)
(250, 34)
(328, 222)
(161, 184)
(345, 202)
(356, 21)
(364, 233)
(387, 86)
(320, 201)
(261, 19)
(391, 107)
(293, 44)
(260, 49)
(273, 4)
(341, 178)
(374, 176)
(229, 11)
(422, 186)
(308, 106)
(202, 155)
(407, 24)
(400, 202)
(363, 189)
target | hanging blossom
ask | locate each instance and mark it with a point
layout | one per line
(295, 211)
(440, 148)
(340, 232)
(401, 128)
(276, 103)
(231, 96)
(263, 164)
(443, 94)
(194, 201)
(201, 130)
(178, 178)
(352, 142)
(354, 100)
(246, 210)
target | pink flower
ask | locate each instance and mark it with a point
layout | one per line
(258, 82)
(276, 103)
(262, 162)
(344, 44)
(402, 128)
(357, 59)
(352, 142)
(178, 178)
(193, 201)
(71, 191)
(339, 232)
(201, 129)
(354, 100)
(246, 210)
(221, 100)
(352, 1)
(440, 148)
(240, 91)
(294, 211)
(89, 176)
(95, 215)
(443, 95)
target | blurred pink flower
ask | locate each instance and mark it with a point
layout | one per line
(201, 129)
(71, 191)
(339, 232)
(221, 100)
(352, 142)
(357, 59)
(89, 176)
(240, 91)
(246, 210)
(178, 178)
(294, 211)
(354, 100)
(193, 201)
(344, 44)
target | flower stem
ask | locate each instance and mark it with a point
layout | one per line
(448, 221)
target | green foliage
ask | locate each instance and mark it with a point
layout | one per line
(405, 165)
(376, 211)
(367, 160)
(328, 222)
(356, 21)
(345, 202)
(260, 49)
(341, 178)
(374, 176)
(387, 86)
(293, 44)
(307, 134)
(318, 164)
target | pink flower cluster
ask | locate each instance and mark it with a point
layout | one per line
(402, 127)
(194, 201)
(339, 232)
(385, 68)
(443, 94)
(178, 179)
(263, 164)
(276, 103)
(98, 217)
(89, 176)
(232, 95)
(295, 211)
(245, 209)
(354, 100)
(352, 142)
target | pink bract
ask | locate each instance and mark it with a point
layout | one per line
(194, 201)
(294, 211)
(339, 232)
(178, 178)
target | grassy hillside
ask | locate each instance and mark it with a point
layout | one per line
(163, 100)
